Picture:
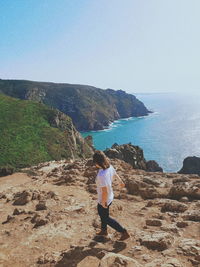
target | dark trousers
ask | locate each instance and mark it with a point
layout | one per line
(107, 220)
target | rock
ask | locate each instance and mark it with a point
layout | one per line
(192, 216)
(152, 166)
(168, 262)
(151, 181)
(156, 240)
(182, 224)
(38, 220)
(189, 247)
(112, 259)
(180, 180)
(184, 190)
(191, 165)
(89, 261)
(51, 258)
(9, 219)
(132, 155)
(150, 192)
(173, 206)
(4, 171)
(153, 222)
(22, 198)
(18, 211)
(184, 199)
(170, 228)
(92, 188)
(2, 195)
(41, 205)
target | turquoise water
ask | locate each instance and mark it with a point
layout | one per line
(169, 135)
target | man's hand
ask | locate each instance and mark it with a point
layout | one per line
(104, 205)
(122, 185)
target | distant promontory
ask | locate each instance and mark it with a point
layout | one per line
(89, 107)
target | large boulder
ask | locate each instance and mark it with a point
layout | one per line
(191, 165)
(173, 206)
(132, 155)
(156, 241)
(178, 191)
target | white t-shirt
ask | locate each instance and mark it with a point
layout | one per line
(104, 178)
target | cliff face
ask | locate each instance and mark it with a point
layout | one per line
(32, 132)
(89, 107)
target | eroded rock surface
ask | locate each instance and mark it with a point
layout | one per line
(50, 219)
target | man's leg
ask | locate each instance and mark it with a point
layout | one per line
(113, 223)
(103, 213)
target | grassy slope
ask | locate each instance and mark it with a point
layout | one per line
(26, 136)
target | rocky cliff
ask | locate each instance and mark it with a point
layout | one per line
(191, 165)
(49, 218)
(89, 107)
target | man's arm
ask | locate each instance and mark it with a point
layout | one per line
(104, 196)
(119, 180)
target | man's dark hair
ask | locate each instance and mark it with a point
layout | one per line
(100, 158)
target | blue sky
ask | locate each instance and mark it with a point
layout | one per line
(134, 45)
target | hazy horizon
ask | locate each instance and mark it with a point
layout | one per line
(148, 46)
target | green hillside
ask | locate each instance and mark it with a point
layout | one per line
(31, 132)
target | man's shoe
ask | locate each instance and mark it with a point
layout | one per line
(124, 235)
(102, 232)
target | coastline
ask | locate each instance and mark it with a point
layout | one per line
(112, 123)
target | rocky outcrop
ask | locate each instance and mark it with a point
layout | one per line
(89, 107)
(191, 165)
(133, 155)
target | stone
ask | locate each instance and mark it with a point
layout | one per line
(189, 247)
(173, 206)
(192, 216)
(18, 211)
(152, 166)
(184, 199)
(184, 190)
(156, 241)
(132, 155)
(152, 181)
(41, 205)
(191, 165)
(38, 220)
(153, 222)
(22, 198)
(182, 224)
(117, 260)
(9, 219)
(170, 228)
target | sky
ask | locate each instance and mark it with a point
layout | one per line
(133, 45)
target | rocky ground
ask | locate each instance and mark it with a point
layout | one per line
(48, 217)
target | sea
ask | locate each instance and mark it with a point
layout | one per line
(168, 135)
